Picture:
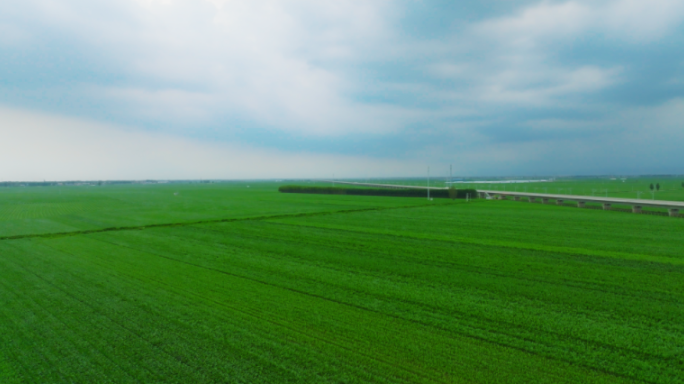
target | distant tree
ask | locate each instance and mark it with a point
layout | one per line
(452, 192)
(658, 187)
(651, 186)
(682, 184)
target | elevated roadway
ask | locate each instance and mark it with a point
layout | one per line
(637, 204)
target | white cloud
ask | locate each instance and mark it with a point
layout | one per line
(513, 60)
(12, 35)
(655, 124)
(641, 140)
(640, 21)
(308, 67)
(631, 20)
(38, 146)
(193, 107)
(261, 59)
(540, 22)
(448, 70)
(545, 87)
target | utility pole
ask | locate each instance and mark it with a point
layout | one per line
(428, 182)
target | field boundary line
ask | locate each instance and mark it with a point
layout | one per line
(499, 243)
(72, 340)
(588, 285)
(464, 334)
(213, 221)
(274, 321)
(461, 314)
(99, 311)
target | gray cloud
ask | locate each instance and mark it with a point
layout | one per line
(46, 147)
(509, 91)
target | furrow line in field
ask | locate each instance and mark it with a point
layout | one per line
(580, 284)
(499, 243)
(8, 345)
(473, 321)
(423, 323)
(184, 292)
(257, 314)
(30, 334)
(213, 221)
(78, 343)
(260, 315)
(126, 329)
(437, 309)
(118, 323)
(73, 297)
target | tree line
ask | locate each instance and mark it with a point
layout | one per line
(451, 193)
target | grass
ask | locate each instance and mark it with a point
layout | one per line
(636, 188)
(62, 209)
(671, 188)
(282, 288)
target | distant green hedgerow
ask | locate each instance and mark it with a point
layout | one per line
(438, 193)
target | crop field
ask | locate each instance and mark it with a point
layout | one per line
(67, 209)
(637, 188)
(221, 283)
(671, 188)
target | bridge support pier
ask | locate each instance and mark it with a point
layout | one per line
(636, 205)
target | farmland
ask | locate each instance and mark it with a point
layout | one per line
(225, 283)
(671, 188)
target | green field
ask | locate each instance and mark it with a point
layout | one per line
(635, 188)
(225, 283)
(671, 188)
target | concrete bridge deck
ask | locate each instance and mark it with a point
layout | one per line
(637, 204)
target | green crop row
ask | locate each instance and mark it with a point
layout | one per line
(67, 209)
(290, 288)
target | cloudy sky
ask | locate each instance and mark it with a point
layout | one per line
(130, 89)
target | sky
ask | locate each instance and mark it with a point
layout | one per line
(230, 89)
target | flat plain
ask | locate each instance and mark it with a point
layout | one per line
(670, 187)
(234, 282)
